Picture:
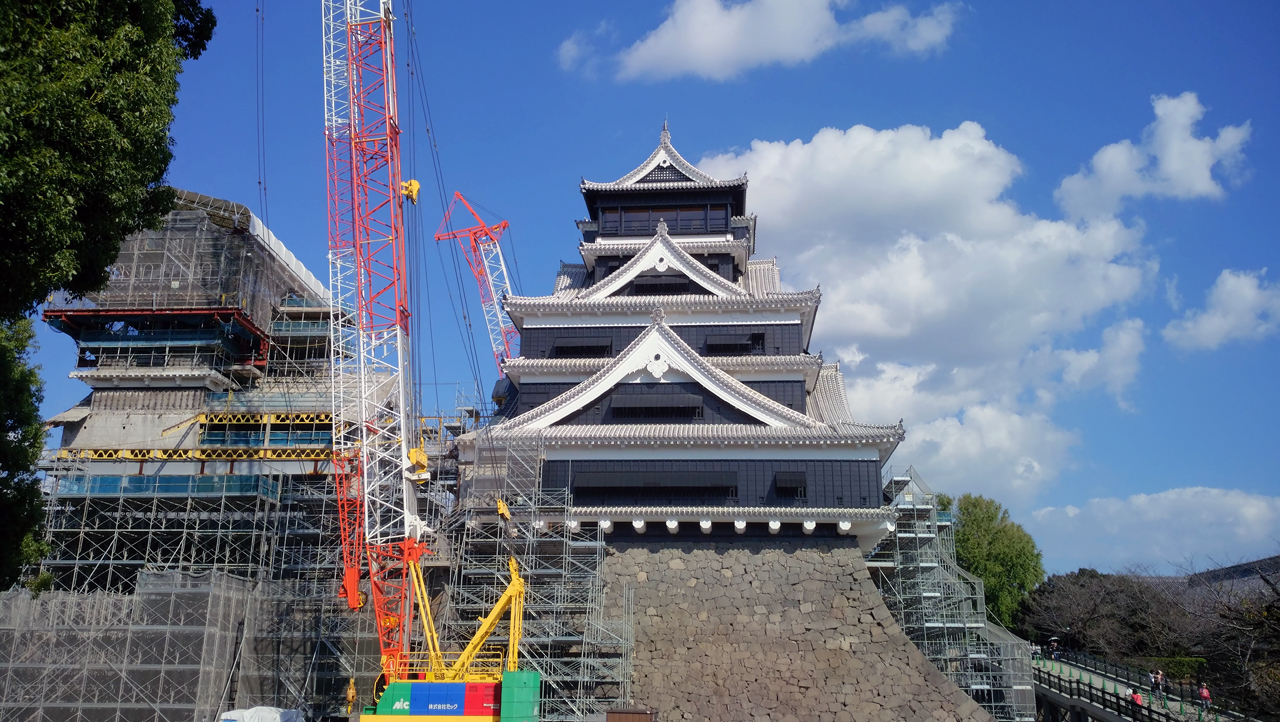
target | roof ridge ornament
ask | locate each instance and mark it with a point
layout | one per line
(658, 315)
(665, 136)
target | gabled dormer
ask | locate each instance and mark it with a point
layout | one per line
(659, 356)
(666, 188)
(662, 268)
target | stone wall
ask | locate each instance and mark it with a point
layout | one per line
(781, 629)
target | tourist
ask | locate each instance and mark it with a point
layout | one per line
(1135, 698)
(1155, 682)
(1205, 699)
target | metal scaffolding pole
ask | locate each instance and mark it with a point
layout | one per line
(941, 607)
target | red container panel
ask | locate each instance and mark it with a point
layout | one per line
(483, 698)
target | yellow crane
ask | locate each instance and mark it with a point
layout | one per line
(435, 680)
(469, 665)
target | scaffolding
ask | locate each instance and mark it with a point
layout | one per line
(209, 254)
(584, 659)
(200, 467)
(161, 653)
(205, 450)
(302, 647)
(942, 609)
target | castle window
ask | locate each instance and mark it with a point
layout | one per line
(789, 484)
(635, 222)
(587, 347)
(692, 220)
(609, 221)
(718, 219)
(659, 286)
(741, 344)
(656, 407)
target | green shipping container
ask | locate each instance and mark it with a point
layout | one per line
(521, 695)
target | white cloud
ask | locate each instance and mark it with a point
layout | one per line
(579, 53)
(905, 33)
(1171, 295)
(1170, 162)
(1115, 365)
(951, 307)
(710, 39)
(1240, 306)
(571, 51)
(1168, 529)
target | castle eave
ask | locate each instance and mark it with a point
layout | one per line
(868, 525)
(721, 435)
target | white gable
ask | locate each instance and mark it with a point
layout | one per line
(663, 255)
(660, 355)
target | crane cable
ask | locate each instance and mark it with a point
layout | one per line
(260, 103)
(418, 93)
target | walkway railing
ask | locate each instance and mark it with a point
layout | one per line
(1138, 679)
(1110, 701)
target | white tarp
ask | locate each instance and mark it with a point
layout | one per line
(262, 714)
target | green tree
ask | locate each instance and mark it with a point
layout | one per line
(21, 435)
(86, 95)
(87, 89)
(997, 550)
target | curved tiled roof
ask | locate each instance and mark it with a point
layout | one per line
(569, 280)
(735, 246)
(799, 362)
(646, 304)
(673, 185)
(883, 513)
(662, 253)
(828, 401)
(762, 278)
(687, 434)
(686, 360)
(665, 156)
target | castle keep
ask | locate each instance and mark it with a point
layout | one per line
(667, 389)
(670, 379)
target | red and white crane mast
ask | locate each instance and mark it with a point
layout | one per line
(370, 327)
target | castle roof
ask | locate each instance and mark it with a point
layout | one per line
(739, 248)
(664, 169)
(810, 366)
(662, 254)
(759, 290)
(658, 352)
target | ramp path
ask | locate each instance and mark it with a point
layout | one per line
(1084, 682)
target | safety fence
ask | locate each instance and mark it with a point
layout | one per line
(1121, 704)
(1137, 678)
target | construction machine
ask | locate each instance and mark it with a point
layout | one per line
(478, 682)
(384, 535)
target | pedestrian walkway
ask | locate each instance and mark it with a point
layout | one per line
(1176, 708)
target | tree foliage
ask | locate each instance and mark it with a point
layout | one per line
(1118, 616)
(86, 95)
(997, 550)
(21, 437)
(1233, 625)
(87, 89)
(1237, 627)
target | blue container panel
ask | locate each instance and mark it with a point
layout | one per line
(438, 698)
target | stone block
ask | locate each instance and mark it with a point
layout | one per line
(772, 629)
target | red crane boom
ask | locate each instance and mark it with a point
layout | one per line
(480, 245)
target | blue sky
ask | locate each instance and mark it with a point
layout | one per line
(1042, 232)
